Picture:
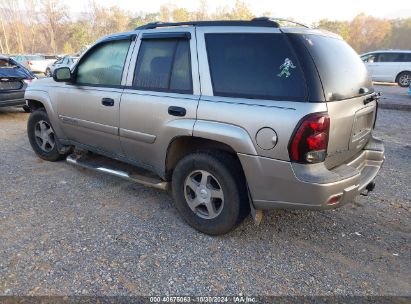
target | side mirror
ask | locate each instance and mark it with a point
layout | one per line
(62, 74)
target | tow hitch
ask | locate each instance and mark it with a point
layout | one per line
(370, 187)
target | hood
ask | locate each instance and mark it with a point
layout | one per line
(42, 83)
(16, 72)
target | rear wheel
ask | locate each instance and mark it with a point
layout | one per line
(404, 79)
(48, 73)
(42, 137)
(210, 192)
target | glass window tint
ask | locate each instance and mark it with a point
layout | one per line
(405, 57)
(104, 65)
(164, 65)
(389, 57)
(181, 73)
(342, 72)
(254, 66)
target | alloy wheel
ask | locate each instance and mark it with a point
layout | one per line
(44, 136)
(204, 194)
(405, 80)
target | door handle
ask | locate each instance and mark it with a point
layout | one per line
(108, 102)
(176, 111)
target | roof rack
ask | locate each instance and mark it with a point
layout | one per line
(258, 22)
(275, 19)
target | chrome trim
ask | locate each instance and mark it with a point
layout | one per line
(141, 179)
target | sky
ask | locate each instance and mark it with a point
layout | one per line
(301, 10)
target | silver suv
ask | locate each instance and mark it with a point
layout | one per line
(230, 116)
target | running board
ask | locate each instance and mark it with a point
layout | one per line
(113, 167)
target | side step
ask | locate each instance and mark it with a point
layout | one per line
(113, 167)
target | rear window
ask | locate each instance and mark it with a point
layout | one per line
(259, 66)
(341, 69)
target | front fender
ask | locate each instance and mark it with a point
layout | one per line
(44, 98)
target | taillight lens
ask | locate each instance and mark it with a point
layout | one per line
(310, 140)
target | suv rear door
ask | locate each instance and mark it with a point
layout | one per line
(348, 93)
(161, 97)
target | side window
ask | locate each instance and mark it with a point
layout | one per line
(369, 58)
(259, 66)
(388, 57)
(405, 57)
(104, 65)
(373, 58)
(164, 65)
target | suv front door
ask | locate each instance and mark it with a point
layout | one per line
(161, 98)
(89, 106)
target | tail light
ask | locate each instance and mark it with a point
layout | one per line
(310, 140)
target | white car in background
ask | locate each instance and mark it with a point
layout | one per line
(66, 61)
(389, 66)
(35, 63)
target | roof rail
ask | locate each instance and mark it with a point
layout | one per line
(260, 22)
(275, 19)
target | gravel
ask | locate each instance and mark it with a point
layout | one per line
(69, 231)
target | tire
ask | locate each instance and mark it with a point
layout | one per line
(210, 191)
(48, 73)
(404, 79)
(42, 137)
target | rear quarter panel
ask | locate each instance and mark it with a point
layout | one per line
(252, 115)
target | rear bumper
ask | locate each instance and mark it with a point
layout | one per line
(281, 184)
(12, 98)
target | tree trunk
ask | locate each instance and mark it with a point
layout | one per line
(5, 36)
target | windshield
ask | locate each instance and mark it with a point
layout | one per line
(342, 72)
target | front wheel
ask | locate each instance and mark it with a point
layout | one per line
(42, 137)
(404, 79)
(209, 191)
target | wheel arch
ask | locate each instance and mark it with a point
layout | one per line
(41, 99)
(184, 145)
(398, 75)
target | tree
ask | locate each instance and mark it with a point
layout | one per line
(165, 13)
(202, 12)
(241, 11)
(341, 28)
(368, 33)
(54, 14)
(400, 35)
(180, 15)
(143, 19)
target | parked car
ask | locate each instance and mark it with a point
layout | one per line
(35, 63)
(14, 79)
(230, 116)
(389, 66)
(66, 61)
